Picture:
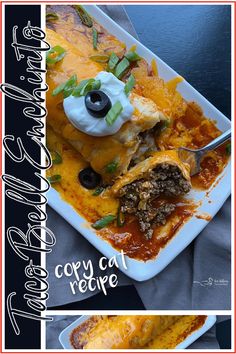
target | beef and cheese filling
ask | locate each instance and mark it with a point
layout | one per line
(136, 198)
(161, 175)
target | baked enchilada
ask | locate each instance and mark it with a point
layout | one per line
(113, 130)
(134, 332)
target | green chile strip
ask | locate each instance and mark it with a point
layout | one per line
(55, 54)
(56, 158)
(111, 167)
(103, 222)
(120, 218)
(228, 149)
(98, 191)
(54, 178)
(51, 16)
(100, 58)
(121, 68)
(95, 38)
(84, 16)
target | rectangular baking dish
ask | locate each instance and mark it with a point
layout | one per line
(64, 336)
(136, 269)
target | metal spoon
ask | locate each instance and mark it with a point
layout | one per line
(194, 157)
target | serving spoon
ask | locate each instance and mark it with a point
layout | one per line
(194, 157)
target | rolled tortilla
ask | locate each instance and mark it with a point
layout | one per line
(98, 151)
(142, 169)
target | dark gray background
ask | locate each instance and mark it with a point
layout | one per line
(194, 41)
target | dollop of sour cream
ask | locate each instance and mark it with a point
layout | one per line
(78, 115)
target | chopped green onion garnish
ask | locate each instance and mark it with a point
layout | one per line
(56, 157)
(66, 87)
(70, 85)
(78, 89)
(55, 54)
(129, 84)
(113, 61)
(54, 178)
(111, 167)
(120, 218)
(98, 191)
(162, 126)
(114, 113)
(95, 38)
(58, 89)
(121, 68)
(100, 58)
(228, 149)
(85, 86)
(106, 220)
(84, 16)
(51, 16)
(132, 56)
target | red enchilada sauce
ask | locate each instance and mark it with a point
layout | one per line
(131, 240)
(194, 131)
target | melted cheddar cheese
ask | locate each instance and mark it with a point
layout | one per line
(134, 332)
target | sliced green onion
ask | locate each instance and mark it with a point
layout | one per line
(98, 191)
(165, 124)
(162, 126)
(95, 38)
(106, 220)
(228, 149)
(91, 85)
(55, 54)
(58, 89)
(70, 85)
(129, 84)
(114, 113)
(113, 60)
(111, 167)
(56, 158)
(132, 56)
(84, 16)
(120, 218)
(67, 87)
(51, 16)
(85, 86)
(54, 178)
(121, 68)
(77, 90)
(100, 58)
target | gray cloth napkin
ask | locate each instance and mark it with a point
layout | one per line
(54, 328)
(199, 278)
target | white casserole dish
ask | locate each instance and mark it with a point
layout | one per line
(64, 336)
(136, 269)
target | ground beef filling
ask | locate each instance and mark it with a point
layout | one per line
(136, 198)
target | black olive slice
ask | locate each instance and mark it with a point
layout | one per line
(89, 178)
(97, 103)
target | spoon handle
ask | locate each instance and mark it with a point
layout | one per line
(218, 141)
